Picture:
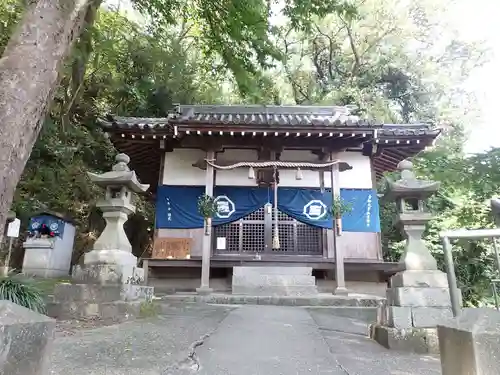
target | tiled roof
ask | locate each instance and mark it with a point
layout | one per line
(136, 122)
(408, 130)
(258, 115)
(267, 116)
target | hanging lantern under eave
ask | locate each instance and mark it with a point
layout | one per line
(298, 175)
(251, 173)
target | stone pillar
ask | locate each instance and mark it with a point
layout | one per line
(470, 344)
(207, 238)
(332, 238)
(495, 208)
(417, 298)
(25, 340)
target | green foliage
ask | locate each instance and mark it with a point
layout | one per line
(149, 309)
(340, 207)
(22, 292)
(207, 206)
(239, 33)
(468, 182)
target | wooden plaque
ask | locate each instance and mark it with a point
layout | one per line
(172, 248)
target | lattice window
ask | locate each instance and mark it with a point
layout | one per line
(232, 234)
(256, 215)
(309, 239)
(253, 238)
(247, 235)
(287, 238)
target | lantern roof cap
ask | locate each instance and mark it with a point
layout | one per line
(409, 186)
(120, 175)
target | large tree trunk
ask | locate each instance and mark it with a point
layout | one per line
(29, 75)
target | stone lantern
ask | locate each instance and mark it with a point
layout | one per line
(111, 256)
(109, 284)
(412, 215)
(418, 297)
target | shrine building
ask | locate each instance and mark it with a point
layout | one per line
(265, 165)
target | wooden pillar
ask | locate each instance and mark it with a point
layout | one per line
(339, 255)
(207, 237)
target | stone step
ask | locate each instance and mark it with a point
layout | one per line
(94, 293)
(320, 300)
(91, 293)
(248, 270)
(275, 290)
(274, 280)
(117, 311)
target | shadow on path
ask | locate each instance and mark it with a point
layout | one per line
(359, 355)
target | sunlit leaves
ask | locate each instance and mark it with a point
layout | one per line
(240, 33)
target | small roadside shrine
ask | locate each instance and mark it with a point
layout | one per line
(275, 173)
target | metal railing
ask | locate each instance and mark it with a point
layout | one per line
(446, 236)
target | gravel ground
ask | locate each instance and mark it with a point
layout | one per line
(145, 347)
(73, 327)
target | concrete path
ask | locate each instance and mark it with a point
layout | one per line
(247, 340)
(267, 340)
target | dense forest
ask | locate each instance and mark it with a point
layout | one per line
(381, 55)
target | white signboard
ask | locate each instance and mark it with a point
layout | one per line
(221, 243)
(13, 228)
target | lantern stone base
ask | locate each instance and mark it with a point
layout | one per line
(417, 302)
(416, 340)
(107, 302)
(105, 291)
(122, 257)
(419, 279)
(108, 274)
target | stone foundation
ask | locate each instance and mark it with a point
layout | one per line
(274, 281)
(416, 340)
(108, 274)
(417, 302)
(101, 291)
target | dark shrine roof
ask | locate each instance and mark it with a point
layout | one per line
(258, 116)
(145, 139)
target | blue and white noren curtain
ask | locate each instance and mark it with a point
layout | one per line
(176, 206)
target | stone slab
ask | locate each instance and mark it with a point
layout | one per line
(470, 344)
(275, 290)
(420, 279)
(321, 300)
(419, 297)
(117, 311)
(92, 293)
(25, 340)
(131, 292)
(245, 270)
(414, 340)
(414, 317)
(108, 274)
(98, 293)
(274, 280)
(399, 317)
(430, 317)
